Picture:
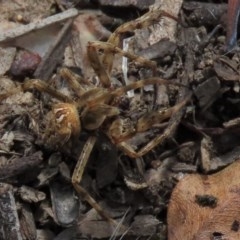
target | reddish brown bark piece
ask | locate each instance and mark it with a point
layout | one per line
(25, 63)
(206, 206)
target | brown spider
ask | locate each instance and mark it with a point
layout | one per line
(97, 103)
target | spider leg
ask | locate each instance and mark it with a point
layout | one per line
(73, 80)
(138, 84)
(41, 86)
(155, 117)
(105, 96)
(77, 177)
(36, 84)
(128, 149)
(157, 140)
(143, 124)
(144, 21)
(99, 67)
(103, 66)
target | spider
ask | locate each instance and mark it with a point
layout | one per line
(95, 104)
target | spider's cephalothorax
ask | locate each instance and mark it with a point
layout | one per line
(64, 123)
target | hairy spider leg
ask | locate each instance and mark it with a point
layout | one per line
(144, 21)
(98, 66)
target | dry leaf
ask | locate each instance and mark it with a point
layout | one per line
(206, 206)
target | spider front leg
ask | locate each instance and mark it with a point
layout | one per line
(77, 177)
(36, 84)
(103, 66)
(110, 49)
(119, 137)
(148, 19)
(41, 86)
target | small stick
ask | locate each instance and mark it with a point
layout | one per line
(55, 52)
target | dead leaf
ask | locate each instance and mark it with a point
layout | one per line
(206, 206)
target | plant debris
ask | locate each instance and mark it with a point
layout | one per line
(204, 208)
